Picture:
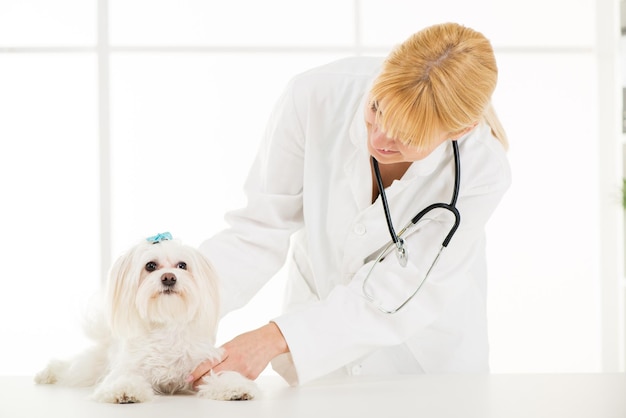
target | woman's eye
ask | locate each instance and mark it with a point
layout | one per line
(374, 106)
(151, 266)
(182, 265)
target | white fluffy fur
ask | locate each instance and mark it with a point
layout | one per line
(151, 336)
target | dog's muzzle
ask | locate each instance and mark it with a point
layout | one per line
(168, 280)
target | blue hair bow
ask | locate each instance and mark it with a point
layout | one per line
(164, 236)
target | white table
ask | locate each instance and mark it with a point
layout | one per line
(428, 396)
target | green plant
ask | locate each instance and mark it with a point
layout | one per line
(624, 193)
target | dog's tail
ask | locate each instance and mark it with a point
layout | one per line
(90, 365)
(94, 322)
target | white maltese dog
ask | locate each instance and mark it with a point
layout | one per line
(159, 322)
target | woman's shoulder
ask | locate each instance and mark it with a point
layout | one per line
(485, 158)
(341, 70)
(335, 87)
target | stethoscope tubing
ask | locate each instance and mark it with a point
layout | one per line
(451, 206)
(396, 239)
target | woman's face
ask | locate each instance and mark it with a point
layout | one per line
(388, 150)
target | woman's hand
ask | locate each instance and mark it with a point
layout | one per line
(248, 354)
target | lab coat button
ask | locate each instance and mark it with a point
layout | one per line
(356, 370)
(360, 229)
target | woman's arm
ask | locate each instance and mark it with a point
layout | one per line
(250, 252)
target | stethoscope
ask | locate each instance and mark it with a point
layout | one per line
(397, 241)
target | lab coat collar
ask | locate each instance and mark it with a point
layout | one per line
(357, 165)
(358, 130)
(427, 165)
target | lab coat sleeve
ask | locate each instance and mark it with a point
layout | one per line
(344, 327)
(254, 247)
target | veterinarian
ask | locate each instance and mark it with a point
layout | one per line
(425, 116)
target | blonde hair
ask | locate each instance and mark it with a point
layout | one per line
(441, 78)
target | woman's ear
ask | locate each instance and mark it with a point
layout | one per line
(457, 135)
(121, 291)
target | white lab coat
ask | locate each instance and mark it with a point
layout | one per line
(310, 190)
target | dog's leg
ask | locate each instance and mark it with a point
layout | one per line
(227, 386)
(54, 371)
(83, 370)
(123, 387)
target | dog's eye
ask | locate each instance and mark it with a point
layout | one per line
(151, 266)
(182, 265)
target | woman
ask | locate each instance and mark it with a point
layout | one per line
(313, 194)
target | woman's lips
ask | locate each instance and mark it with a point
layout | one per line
(385, 151)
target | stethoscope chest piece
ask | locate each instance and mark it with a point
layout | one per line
(401, 252)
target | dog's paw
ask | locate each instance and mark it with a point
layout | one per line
(228, 386)
(124, 391)
(52, 373)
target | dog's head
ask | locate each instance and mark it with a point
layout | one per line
(161, 283)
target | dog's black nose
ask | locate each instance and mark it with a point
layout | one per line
(168, 279)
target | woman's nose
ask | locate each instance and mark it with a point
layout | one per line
(380, 140)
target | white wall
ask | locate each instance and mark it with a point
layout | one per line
(190, 88)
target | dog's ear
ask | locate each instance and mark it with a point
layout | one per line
(208, 282)
(121, 292)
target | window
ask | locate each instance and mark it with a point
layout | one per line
(124, 118)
